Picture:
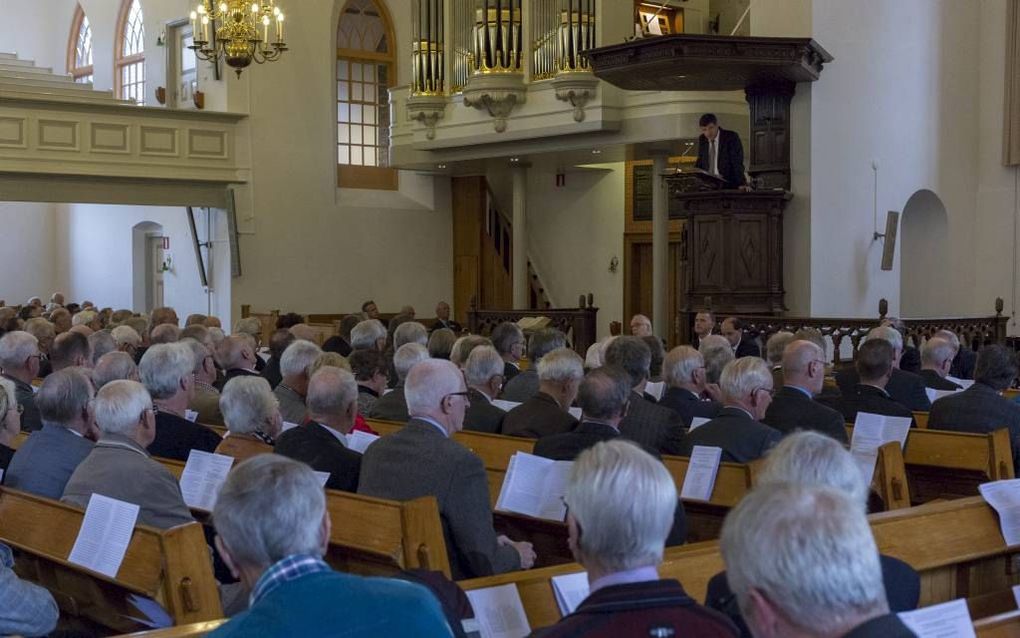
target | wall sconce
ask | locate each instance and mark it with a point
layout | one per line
(614, 264)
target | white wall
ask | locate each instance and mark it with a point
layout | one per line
(26, 252)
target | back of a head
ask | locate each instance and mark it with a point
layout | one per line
(464, 345)
(329, 359)
(996, 367)
(119, 406)
(199, 352)
(249, 326)
(64, 396)
(40, 328)
(543, 342)
(365, 364)
(303, 332)
(101, 343)
(775, 346)
(163, 367)
(623, 500)
(279, 341)
(630, 354)
(288, 320)
(889, 334)
(248, 404)
(70, 349)
(441, 343)
(164, 315)
(15, 349)
(428, 383)
(113, 366)
(680, 364)
(165, 333)
(949, 336)
(407, 356)
(482, 364)
(561, 365)
(83, 318)
(366, 335)
(198, 332)
(810, 552)
(125, 335)
(139, 324)
(812, 458)
(603, 393)
(874, 360)
(410, 332)
(717, 354)
(331, 391)
(298, 358)
(270, 507)
(347, 324)
(742, 377)
(798, 357)
(936, 351)
(195, 320)
(812, 335)
(658, 353)
(230, 350)
(505, 335)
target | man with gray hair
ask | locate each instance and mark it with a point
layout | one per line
(253, 418)
(101, 343)
(167, 371)
(272, 530)
(794, 407)
(87, 318)
(686, 386)
(421, 459)
(965, 358)
(621, 546)
(237, 356)
(113, 366)
(484, 375)
(803, 563)
(45, 333)
(410, 332)
(164, 333)
(205, 398)
(717, 353)
(392, 406)
(905, 388)
(508, 340)
(119, 465)
(46, 460)
(525, 385)
(20, 360)
(548, 412)
(291, 391)
(603, 396)
(746, 391)
(369, 334)
(936, 362)
(322, 442)
(774, 348)
(127, 339)
(640, 326)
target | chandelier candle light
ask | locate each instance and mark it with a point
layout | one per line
(243, 34)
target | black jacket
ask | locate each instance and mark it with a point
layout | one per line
(934, 381)
(566, 446)
(730, 160)
(312, 444)
(658, 429)
(537, 417)
(481, 415)
(176, 437)
(867, 398)
(978, 409)
(688, 405)
(906, 388)
(741, 438)
(747, 348)
(793, 410)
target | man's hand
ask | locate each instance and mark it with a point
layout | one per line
(714, 392)
(524, 550)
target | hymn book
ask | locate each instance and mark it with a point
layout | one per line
(499, 612)
(940, 621)
(359, 441)
(203, 476)
(872, 431)
(570, 590)
(104, 535)
(702, 469)
(697, 422)
(534, 486)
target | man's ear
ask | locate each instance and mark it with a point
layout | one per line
(324, 529)
(228, 559)
(762, 616)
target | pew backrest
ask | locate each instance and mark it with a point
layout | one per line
(1005, 625)
(194, 630)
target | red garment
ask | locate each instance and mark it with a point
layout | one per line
(360, 424)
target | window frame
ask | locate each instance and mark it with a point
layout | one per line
(75, 71)
(120, 61)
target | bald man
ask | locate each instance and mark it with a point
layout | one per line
(793, 406)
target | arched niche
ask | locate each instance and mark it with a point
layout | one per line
(924, 246)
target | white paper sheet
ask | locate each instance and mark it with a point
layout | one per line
(499, 612)
(964, 383)
(505, 406)
(191, 415)
(871, 431)
(697, 422)
(323, 477)
(655, 388)
(575, 412)
(701, 472)
(948, 620)
(287, 425)
(534, 486)
(570, 590)
(151, 613)
(104, 535)
(1016, 595)
(1004, 497)
(203, 476)
(359, 441)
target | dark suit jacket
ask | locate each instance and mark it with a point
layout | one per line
(509, 371)
(450, 323)
(688, 405)
(419, 460)
(236, 372)
(539, 416)
(741, 438)
(887, 626)
(747, 348)
(934, 381)
(635, 609)
(731, 157)
(910, 361)
(567, 445)
(44, 463)
(522, 387)
(660, 430)
(963, 363)
(866, 398)
(272, 373)
(312, 444)
(30, 419)
(176, 437)
(979, 409)
(793, 410)
(391, 406)
(481, 415)
(906, 388)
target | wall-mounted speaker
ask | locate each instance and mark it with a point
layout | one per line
(892, 222)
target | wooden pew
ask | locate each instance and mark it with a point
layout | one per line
(921, 419)
(194, 630)
(1005, 625)
(171, 567)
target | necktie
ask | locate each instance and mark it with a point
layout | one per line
(713, 154)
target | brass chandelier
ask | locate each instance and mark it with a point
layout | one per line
(241, 31)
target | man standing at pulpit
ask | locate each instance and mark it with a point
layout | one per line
(720, 152)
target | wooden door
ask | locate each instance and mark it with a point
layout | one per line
(638, 283)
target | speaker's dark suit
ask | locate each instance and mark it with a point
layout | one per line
(979, 409)
(741, 438)
(906, 388)
(730, 160)
(539, 416)
(481, 415)
(312, 444)
(934, 381)
(658, 429)
(688, 405)
(866, 398)
(792, 410)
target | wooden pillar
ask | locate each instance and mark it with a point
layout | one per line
(660, 247)
(521, 286)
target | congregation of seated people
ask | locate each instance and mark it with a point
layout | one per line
(99, 401)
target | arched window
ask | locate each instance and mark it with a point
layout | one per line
(129, 71)
(79, 49)
(365, 69)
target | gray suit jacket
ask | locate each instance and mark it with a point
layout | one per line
(391, 406)
(522, 387)
(660, 430)
(44, 463)
(979, 409)
(292, 405)
(121, 469)
(419, 460)
(25, 609)
(30, 419)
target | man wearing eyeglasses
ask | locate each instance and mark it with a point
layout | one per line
(793, 406)
(746, 385)
(422, 460)
(20, 360)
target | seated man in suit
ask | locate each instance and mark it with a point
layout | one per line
(278, 343)
(981, 408)
(205, 398)
(166, 372)
(621, 546)
(910, 361)
(422, 460)
(119, 466)
(525, 385)
(704, 324)
(114, 366)
(774, 348)
(603, 396)
(322, 442)
(733, 330)
(443, 319)
(484, 375)
(237, 357)
(965, 358)
(640, 326)
(936, 361)
(813, 460)
(802, 561)
(721, 153)
(508, 340)
(717, 352)
(252, 413)
(906, 388)
(873, 366)
(44, 462)
(272, 530)
(793, 407)
(392, 406)
(559, 374)
(290, 392)
(20, 360)
(660, 430)
(684, 373)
